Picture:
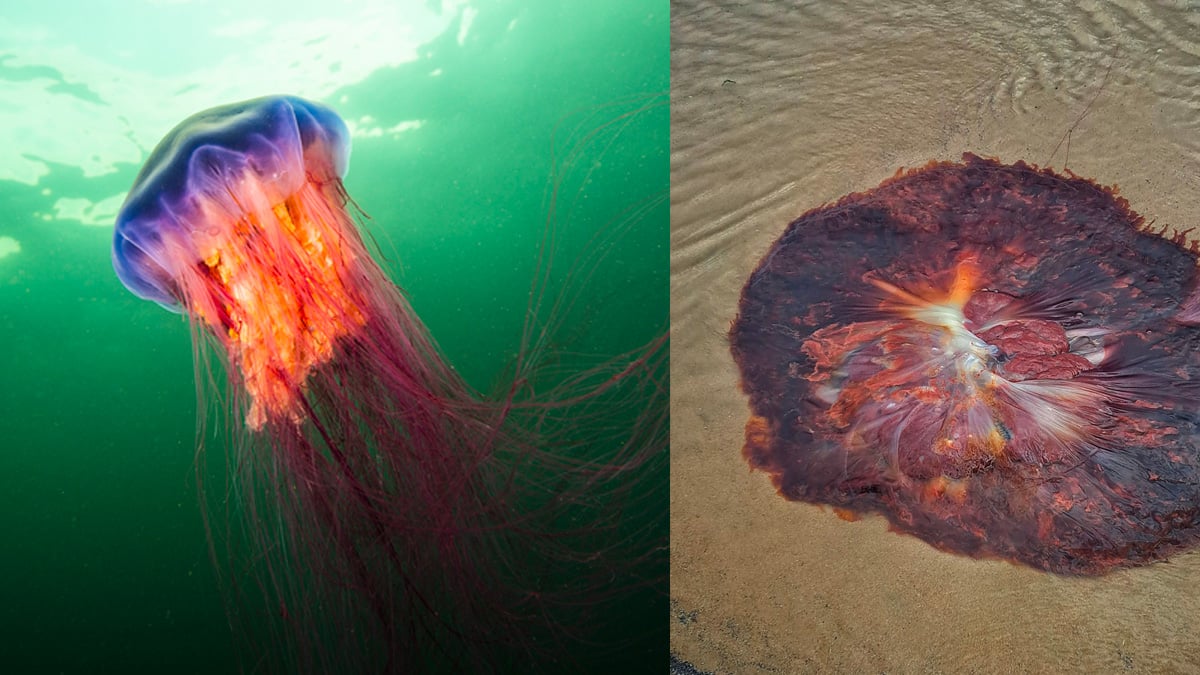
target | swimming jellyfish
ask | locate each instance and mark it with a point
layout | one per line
(391, 516)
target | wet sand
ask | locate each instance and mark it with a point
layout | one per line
(777, 110)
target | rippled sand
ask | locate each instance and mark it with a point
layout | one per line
(776, 110)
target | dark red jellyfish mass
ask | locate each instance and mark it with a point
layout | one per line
(1002, 360)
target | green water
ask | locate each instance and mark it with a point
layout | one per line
(105, 565)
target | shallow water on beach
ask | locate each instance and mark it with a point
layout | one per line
(777, 110)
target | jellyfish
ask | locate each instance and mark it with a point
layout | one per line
(387, 516)
(999, 359)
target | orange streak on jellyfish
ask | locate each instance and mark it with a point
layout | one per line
(999, 359)
(395, 518)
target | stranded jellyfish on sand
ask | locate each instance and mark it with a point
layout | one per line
(391, 518)
(1003, 361)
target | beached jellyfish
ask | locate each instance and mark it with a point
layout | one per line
(1003, 361)
(393, 518)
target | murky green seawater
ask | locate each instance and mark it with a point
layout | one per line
(104, 565)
